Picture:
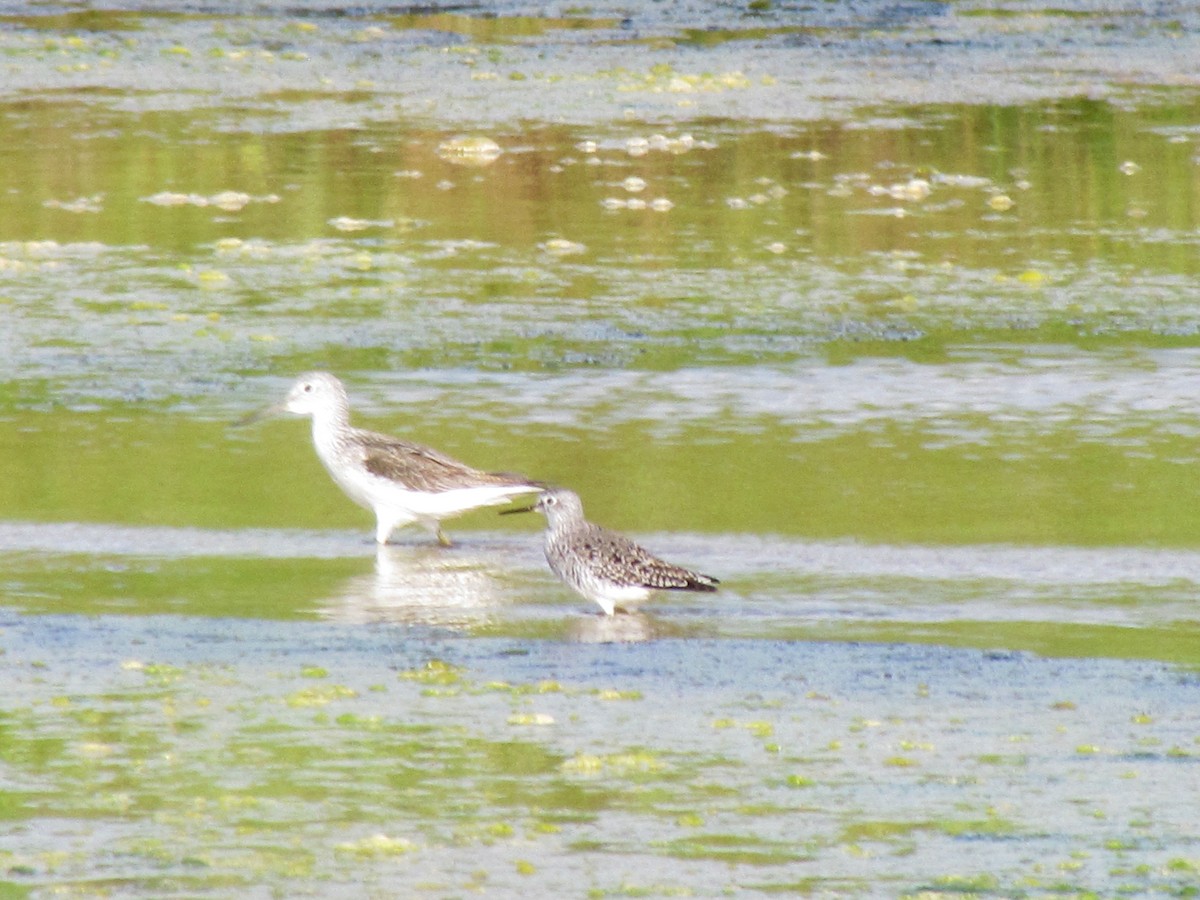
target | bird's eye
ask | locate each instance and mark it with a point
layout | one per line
(550, 501)
(308, 389)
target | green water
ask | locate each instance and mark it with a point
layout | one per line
(885, 317)
(144, 326)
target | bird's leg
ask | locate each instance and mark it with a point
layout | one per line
(434, 527)
(384, 526)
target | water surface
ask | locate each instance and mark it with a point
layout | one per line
(885, 316)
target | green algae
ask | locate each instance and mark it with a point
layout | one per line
(641, 296)
(735, 850)
(379, 785)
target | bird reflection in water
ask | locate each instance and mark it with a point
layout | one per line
(622, 628)
(462, 588)
(424, 585)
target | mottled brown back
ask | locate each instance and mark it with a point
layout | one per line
(425, 469)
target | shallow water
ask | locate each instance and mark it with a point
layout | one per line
(319, 758)
(883, 315)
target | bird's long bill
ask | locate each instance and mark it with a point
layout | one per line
(258, 415)
(518, 509)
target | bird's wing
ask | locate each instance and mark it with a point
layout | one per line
(425, 469)
(620, 559)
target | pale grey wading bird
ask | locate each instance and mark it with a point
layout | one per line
(401, 482)
(605, 567)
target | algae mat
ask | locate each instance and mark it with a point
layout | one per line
(883, 314)
(169, 756)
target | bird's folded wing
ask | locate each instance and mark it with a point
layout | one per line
(423, 468)
(620, 559)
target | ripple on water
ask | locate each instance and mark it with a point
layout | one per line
(967, 399)
(499, 583)
(194, 751)
(744, 555)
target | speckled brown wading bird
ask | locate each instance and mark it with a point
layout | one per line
(603, 566)
(401, 482)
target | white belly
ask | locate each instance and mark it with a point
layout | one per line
(606, 594)
(379, 494)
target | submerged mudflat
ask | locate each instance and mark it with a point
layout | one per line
(884, 315)
(317, 758)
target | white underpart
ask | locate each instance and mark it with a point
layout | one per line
(609, 596)
(393, 504)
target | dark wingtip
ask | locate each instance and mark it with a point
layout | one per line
(519, 480)
(695, 582)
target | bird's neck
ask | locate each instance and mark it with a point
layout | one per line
(328, 425)
(561, 526)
